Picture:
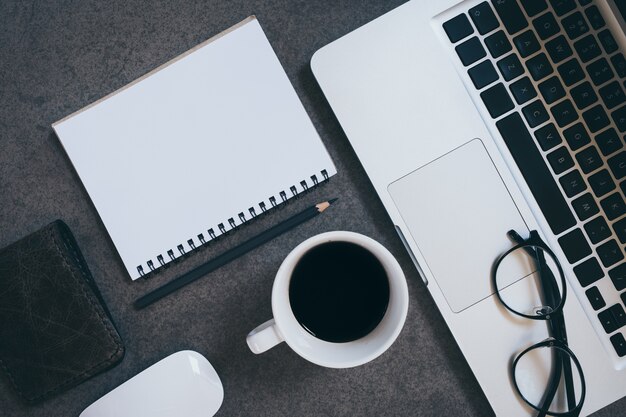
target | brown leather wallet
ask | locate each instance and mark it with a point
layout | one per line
(55, 330)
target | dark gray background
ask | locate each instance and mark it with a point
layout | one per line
(58, 56)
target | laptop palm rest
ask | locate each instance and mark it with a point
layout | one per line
(458, 211)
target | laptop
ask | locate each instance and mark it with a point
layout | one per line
(473, 118)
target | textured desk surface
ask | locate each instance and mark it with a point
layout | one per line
(58, 56)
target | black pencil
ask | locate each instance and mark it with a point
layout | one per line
(232, 254)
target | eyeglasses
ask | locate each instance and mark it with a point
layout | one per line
(542, 374)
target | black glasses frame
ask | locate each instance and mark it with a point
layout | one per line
(555, 322)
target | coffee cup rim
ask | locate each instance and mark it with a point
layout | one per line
(348, 354)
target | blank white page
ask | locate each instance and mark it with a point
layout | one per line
(192, 144)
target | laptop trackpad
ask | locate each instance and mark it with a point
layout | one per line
(458, 211)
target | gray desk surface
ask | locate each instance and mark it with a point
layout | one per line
(58, 56)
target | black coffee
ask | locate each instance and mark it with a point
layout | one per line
(339, 292)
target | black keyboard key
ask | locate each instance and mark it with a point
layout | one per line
(470, 51)
(618, 276)
(576, 136)
(595, 18)
(523, 90)
(584, 2)
(562, 7)
(585, 206)
(510, 67)
(608, 321)
(617, 204)
(536, 173)
(587, 48)
(613, 206)
(497, 100)
(619, 344)
(608, 142)
(622, 185)
(601, 183)
(584, 95)
(575, 246)
(498, 44)
(573, 183)
(511, 15)
(534, 7)
(595, 298)
(620, 230)
(600, 71)
(560, 160)
(617, 164)
(535, 113)
(483, 74)
(458, 27)
(564, 113)
(596, 119)
(619, 116)
(539, 67)
(619, 63)
(548, 137)
(558, 49)
(597, 230)
(612, 94)
(619, 314)
(575, 25)
(608, 41)
(483, 18)
(571, 72)
(588, 272)
(610, 253)
(526, 43)
(546, 25)
(589, 159)
(612, 318)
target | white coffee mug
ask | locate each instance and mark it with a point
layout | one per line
(285, 327)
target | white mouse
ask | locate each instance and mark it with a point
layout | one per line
(182, 384)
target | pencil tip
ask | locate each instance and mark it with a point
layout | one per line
(324, 205)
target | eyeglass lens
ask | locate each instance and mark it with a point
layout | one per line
(541, 381)
(539, 292)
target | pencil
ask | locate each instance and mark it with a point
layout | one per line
(233, 253)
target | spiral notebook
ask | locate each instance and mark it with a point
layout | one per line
(195, 148)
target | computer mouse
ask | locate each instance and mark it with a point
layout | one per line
(182, 384)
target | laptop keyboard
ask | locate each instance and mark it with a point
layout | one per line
(551, 76)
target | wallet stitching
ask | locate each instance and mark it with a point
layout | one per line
(94, 307)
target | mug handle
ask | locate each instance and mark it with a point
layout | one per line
(264, 337)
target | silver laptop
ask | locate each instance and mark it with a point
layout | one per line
(474, 118)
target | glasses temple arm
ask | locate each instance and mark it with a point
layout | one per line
(557, 329)
(556, 325)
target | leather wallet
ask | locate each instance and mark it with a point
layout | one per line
(55, 330)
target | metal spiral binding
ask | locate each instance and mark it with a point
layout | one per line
(201, 239)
